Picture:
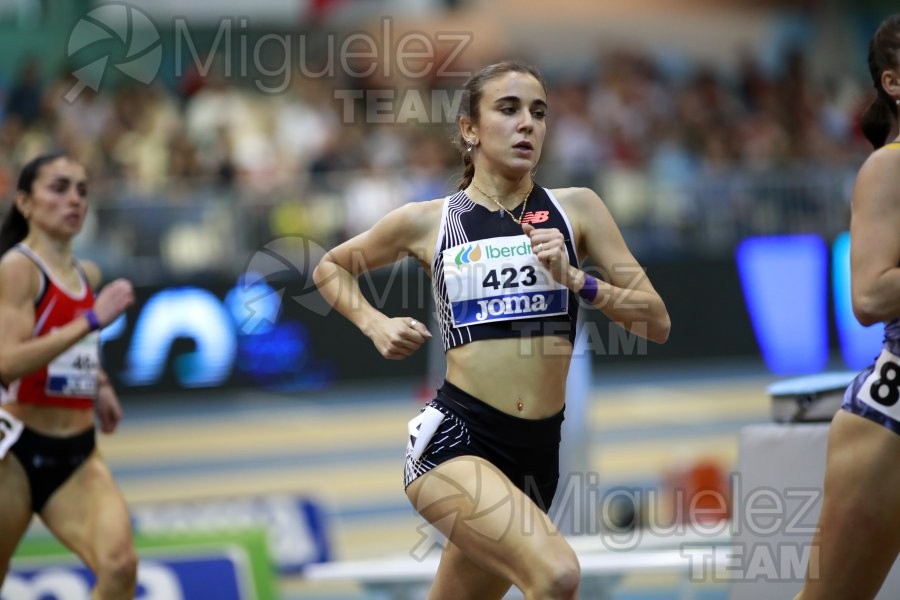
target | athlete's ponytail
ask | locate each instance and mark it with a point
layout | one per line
(468, 171)
(875, 123)
(884, 53)
(15, 226)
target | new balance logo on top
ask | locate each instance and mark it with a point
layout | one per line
(536, 216)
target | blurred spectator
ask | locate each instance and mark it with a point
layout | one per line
(306, 125)
(685, 160)
(24, 98)
(631, 115)
(428, 157)
(575, 144)
(368, 196)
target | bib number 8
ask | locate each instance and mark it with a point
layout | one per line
(886, 389)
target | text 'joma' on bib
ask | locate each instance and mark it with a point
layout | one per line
(500, 279)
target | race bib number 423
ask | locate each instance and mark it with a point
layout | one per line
(500, 279)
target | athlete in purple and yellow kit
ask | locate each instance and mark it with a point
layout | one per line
(858, 536)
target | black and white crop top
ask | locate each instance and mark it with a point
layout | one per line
(487, 282)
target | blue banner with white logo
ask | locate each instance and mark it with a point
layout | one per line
(221, 566)
(213, 576)
(510, 306)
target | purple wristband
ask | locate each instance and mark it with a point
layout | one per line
(588, 290)
(92, 320)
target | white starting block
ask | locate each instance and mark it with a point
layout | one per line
(602, 565)
(811, 399)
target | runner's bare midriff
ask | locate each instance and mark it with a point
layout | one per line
(52, 421)
(525, 377)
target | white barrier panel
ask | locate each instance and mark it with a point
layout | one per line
(778, 497)
(690, 554)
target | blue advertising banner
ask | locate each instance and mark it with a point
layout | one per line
(295, 527)
(230, 566)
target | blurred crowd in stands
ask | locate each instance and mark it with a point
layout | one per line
(666, 152)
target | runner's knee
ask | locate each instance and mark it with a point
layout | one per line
(118, 568)
(556, 577)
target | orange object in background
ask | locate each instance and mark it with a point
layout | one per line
(699, 494)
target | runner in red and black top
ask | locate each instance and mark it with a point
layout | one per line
(70, 379)
(52, 383)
